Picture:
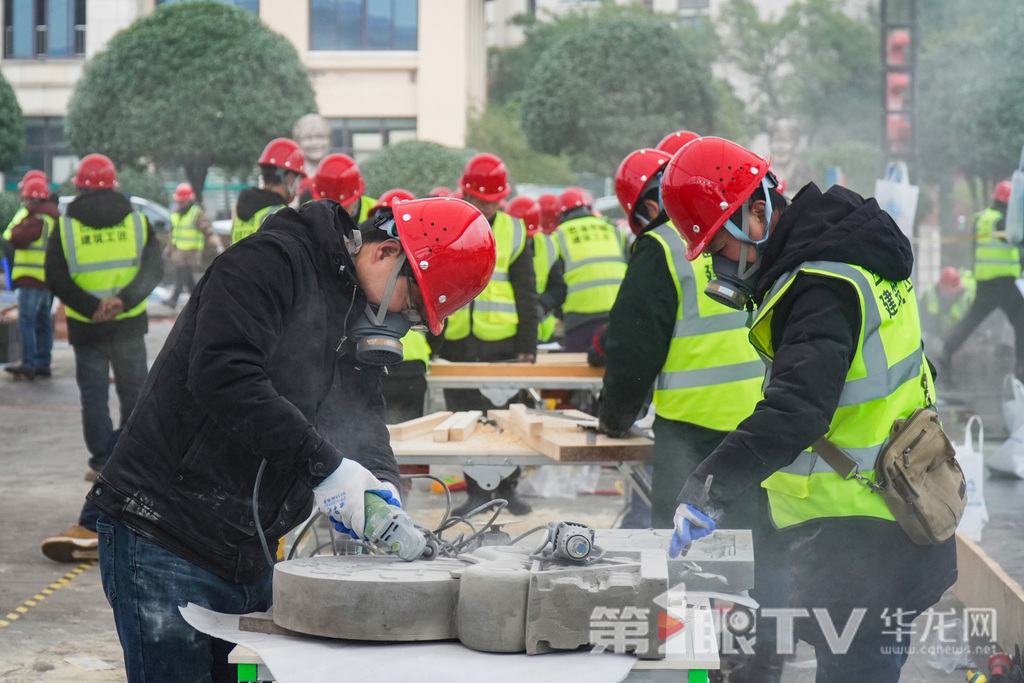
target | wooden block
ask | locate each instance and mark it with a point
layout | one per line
(983, 584)
(441, 430)
(529, 424)
(465, 425)
(561, 358)
(513, 370)
(562, 440)
(419, 426)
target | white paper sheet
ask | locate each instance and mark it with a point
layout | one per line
(307, 660)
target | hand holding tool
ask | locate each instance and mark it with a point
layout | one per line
(341, 495)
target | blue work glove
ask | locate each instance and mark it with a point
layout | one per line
(690, 524)
(340, 495)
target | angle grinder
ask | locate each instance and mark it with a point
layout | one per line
(391, 528)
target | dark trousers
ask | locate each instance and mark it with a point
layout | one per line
(184, 278)
(999, 293)
(36, 326)
(404, 387)
(145, 584)
(127, 356)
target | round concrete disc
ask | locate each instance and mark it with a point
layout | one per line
(367, 597)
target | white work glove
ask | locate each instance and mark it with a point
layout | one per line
(690, 524)
(340, 495)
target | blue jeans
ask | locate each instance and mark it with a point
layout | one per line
(36, 327)
(145, 585)
(127, 355)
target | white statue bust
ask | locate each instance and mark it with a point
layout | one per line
(313, 134)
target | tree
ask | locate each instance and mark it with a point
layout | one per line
(497, 130)
(616, 83)
(413, 165)
(12, 127)
(194, 84)
(133, 182)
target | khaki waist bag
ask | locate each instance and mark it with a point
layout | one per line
(918, 476)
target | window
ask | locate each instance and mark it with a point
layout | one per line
(359, 138)
(363, 24)
(44, 28)
(251, 5)
(45, 149)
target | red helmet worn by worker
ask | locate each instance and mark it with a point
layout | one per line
(284, 153)
(389, 199)
(30, 175)
(572, 198)
(548, 213)
(704, 184)
(440, 191)
(96, 171)
(949, 280)
(1002, 192)
(528, 211)
(673, 142)
(635, 174)
(183, 193)
(451, 249)
(35, 188)
(486, 178)
(338, 178)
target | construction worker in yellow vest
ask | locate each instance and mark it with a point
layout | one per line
(826, 280)
(338, 178)
(545, 252)
(663, 332)
(500, 324)
(586, 275)
(281, 168)
(191, 230)
(6, 250)
(103, 261)
(947, 301)
(996, 267)
(28, 237)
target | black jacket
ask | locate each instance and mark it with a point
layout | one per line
(257, 367)
(252, 199)
(103, 209)
(814, 333)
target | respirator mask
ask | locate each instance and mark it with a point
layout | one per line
(734, 282)
(378, 331)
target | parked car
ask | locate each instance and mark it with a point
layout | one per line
(158, 215)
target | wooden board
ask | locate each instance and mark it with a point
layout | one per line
(983, 584)
(440, 370)
(421, 425)
(528, 424)
(465, 426)
(561, 359)
(563, 441)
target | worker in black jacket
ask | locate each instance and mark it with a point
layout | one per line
(838, 325)
(265, 396)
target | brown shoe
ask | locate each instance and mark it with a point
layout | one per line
(77, 544)
(91, 475)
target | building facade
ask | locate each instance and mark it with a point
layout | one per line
(383, 70)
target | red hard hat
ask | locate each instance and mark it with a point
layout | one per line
(183, 193)
(96, 171)
(704, 184)
(949, 280)
(389, 199)
(338, 178)
(30, 175)
(528, 210)
(573, 197)
(440, 191)
(673, 142)
(285, 154)
(35, 188)
(486, 178)
(548, 204)
(1002, 192)
(634, 173)
(451, 248)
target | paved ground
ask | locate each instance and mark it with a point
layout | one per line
(64, 629)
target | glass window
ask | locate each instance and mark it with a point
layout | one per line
(45, 149)
(44, 28)
(363, 24)
(359, 138)
(251, 5)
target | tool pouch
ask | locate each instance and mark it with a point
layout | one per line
(917, 475)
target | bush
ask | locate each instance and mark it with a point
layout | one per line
(9, 204)
(413, 165)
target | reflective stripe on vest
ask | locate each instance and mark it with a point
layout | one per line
(102, 261)
(492, 315)
(241, 229)
(184, 234)
(19, 216)
(993, 256)
(887, 380)
(545, 253)
(415, 347)
(594, 264)
(712, 375)
(31, 261)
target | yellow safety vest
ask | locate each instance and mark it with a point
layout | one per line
(993, 256)
(712, 375)
(102, 261)
(594, 264)
(415, 347)
(31, 261)
(365, 204)
(241, 229)
(545, 253)
(887, 380)
(960, 307)
(184, 233)
(19, 216)
(492, 315)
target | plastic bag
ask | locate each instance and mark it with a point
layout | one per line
(970, 456)
(1013, 403)
(560, 481)
(1015, 207)
(1008, 460)
(898, 197)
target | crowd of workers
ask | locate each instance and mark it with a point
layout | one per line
(268, 397)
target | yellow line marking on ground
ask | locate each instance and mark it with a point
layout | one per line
(41, 595)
